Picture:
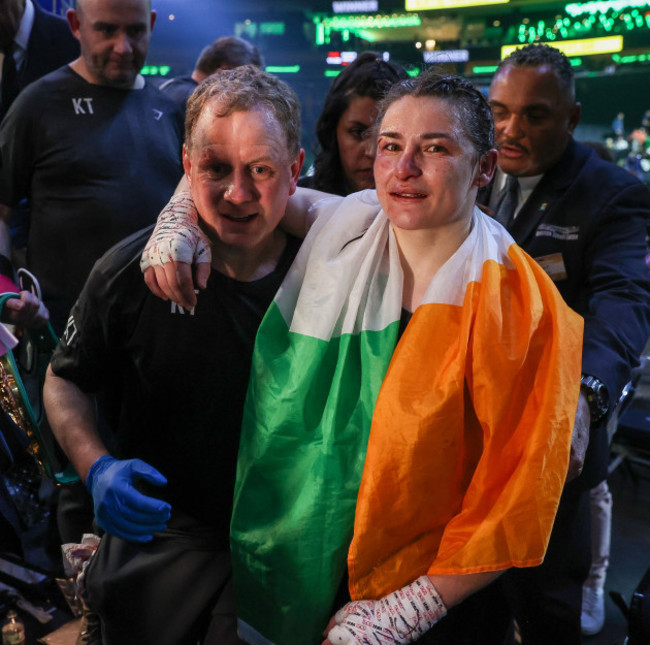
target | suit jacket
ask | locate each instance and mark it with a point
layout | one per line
(51, 45)
(586, 223)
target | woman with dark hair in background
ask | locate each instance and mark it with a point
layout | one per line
(344, 162)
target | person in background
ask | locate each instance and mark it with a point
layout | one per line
(33, 42)
(584, 220)
(79, 142)
(343, 164)
(592, 619)
(618, 125)
(224, 53)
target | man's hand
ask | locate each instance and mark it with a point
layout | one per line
(399, 618)
(26, 311)
(580, 439)
(176, 243)
(120, 509)
(173, 281)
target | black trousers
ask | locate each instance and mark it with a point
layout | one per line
(176, 590)
(75, 513)
(546, 600)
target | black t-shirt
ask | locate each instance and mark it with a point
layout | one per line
(95, 163)
(175, 381)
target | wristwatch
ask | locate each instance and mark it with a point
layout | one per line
(597, 396)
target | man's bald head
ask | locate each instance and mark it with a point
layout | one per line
(114, 37)
(81, 3)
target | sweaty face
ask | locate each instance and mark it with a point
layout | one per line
(533, 119)
(426, 170)
(355, 151)
(114, 37)
(241, 175)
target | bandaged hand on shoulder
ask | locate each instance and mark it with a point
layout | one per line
(401, 617)
(177, 236)
(120, 508)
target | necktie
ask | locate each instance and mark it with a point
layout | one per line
(9, 81)
(508, 200)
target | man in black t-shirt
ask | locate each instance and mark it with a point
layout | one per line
(174, 380)
(93, 148)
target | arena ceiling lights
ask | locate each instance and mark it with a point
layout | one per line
(575, 9)
(428, 5)
(587, 47)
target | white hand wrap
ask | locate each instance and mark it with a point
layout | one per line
(177, 236)
(400, 617)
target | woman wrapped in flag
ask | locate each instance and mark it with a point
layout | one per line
(414, 384)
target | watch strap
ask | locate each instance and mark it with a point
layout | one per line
(597, 396)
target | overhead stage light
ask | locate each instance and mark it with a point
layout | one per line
(424, 5)
(587, 47)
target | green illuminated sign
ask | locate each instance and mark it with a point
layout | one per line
(272, 28)
(642, 58)
(490, 69)
(585, 47)
(280, 69)
(603, 6)
(320, 34)
(484, 69)
(361, 26)
(589, 26)
(155, 70)
(339, 23)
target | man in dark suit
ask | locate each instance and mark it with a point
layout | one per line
(584, 220)
(38, 41)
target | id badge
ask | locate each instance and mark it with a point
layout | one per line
(553, 264)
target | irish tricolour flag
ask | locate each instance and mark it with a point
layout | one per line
(368, 459)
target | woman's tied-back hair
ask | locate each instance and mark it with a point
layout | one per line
(468, 104)
(243, 89)
(369, 75)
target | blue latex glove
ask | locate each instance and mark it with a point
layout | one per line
(120, 509)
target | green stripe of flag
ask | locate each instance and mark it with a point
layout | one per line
(306, 426)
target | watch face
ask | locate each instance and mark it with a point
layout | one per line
(596, 393)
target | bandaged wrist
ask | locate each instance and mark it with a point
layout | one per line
(401, 617)
(177, 236)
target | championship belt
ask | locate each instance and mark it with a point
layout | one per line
(22, 375)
